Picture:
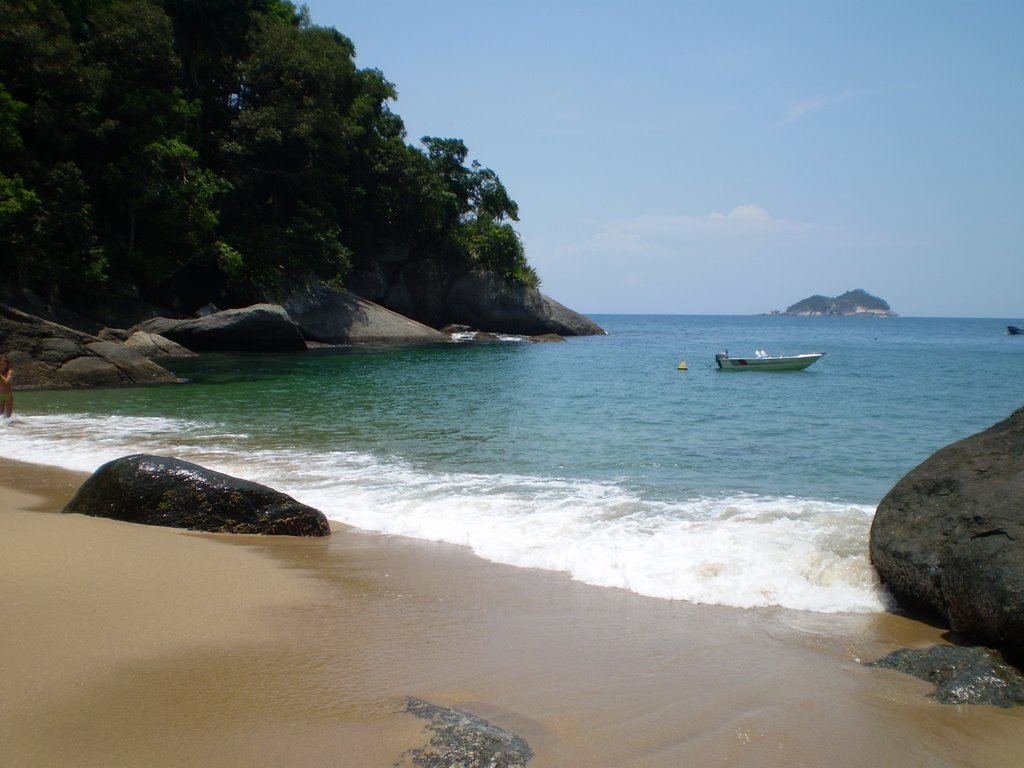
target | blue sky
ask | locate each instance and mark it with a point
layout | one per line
(731, 157)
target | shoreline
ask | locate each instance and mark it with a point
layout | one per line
(141, 645)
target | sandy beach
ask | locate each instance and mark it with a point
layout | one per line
(127, 645)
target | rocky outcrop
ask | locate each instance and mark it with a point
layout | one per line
(157, 490)
(259, 328)
(340, 317)
(948, 539)
(483, 300)
(443, 291)
(45, 355)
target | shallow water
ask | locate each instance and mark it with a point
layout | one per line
(597, 457)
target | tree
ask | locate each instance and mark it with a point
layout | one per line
(489, 200)
(316, 154)
(155, 202)
(47, 102)
(474, 193)
(287, 148)
(196, 150)
(497, 248)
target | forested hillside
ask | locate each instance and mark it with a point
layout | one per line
(184, 152)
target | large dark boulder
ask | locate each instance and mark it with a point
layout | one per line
(157, 490)
(259, 328)
(948, 539)
(340, 317)
(46, 355)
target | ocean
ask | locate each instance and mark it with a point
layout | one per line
(598, 457)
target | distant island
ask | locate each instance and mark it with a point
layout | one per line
(856, 302)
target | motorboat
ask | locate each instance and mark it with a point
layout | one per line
(762, 361)
(1013, 330)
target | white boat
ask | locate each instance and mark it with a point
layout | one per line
(762, 361)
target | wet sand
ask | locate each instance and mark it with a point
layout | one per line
(127, 645)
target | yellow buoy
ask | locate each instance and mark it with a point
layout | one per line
(683, 366)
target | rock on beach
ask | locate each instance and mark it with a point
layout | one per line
(462, 739)
(948, 539)
(158, 490)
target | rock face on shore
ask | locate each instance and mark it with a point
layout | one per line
(45, 355)
(259, 328)
(157, 490)
(482, 300)
(948, 539)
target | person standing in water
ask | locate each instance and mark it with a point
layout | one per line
(6, 392)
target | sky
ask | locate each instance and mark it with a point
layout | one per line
(729, 157)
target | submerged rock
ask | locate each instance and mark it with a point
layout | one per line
(962, 675)
(157, 490)
(463, 740)
(948, 539)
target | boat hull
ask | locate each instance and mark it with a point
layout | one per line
(769, 363)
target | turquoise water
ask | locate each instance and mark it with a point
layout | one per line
(597, 456)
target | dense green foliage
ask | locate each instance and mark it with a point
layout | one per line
(188, 151)
(852, 302)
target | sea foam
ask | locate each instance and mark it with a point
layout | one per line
(743, 551)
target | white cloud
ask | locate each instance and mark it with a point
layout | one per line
(747, 212)
(797, 110)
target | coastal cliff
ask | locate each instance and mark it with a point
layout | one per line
(291, 169)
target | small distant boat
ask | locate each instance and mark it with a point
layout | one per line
(1013, 330)
(765, 362)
